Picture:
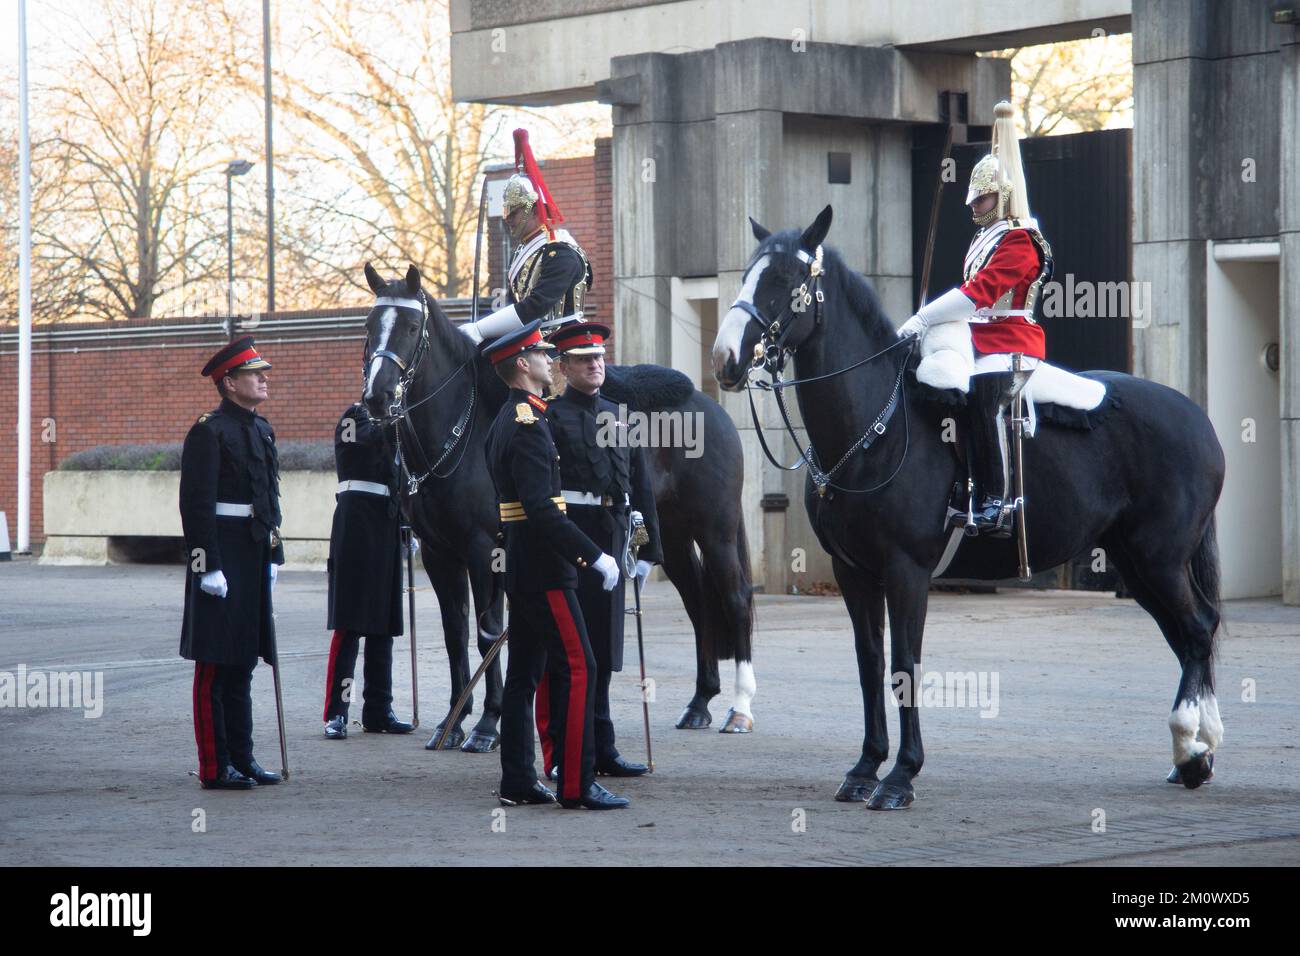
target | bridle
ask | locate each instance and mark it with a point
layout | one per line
(398, 410)
(774, 348)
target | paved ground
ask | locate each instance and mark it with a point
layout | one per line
(1084, 686)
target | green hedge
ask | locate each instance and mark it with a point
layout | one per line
(166, 456)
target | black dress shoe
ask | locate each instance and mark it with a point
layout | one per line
(553, 773)
(596, 798)
(616, 766)
(538, 794)
(254, 771)
(337, 728)
(229, 779)
(388, 724)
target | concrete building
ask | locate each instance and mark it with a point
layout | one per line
(724, 109)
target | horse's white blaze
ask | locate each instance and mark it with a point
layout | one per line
(386, 323)
(746, 687)
(1211, 728)
(732, 331)
(1184, 721)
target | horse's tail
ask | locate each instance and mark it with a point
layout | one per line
(729, 618)
(744, 629)
(1204, 570)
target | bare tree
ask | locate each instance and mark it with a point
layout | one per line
(1072, 87)
(131, 165)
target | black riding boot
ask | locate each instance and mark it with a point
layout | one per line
(987, 393)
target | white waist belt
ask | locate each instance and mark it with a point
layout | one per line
(369, 487)
(226, 510)
(993, 315)
(589, 498)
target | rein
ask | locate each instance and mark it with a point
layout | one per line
(770, 355)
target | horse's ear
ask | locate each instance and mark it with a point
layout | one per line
(759, 232)
(413, 280)
(815, 234)
(372, 279)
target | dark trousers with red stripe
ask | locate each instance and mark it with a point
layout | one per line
(604, 726)
(223, 717)
(378, 670)
(548, 637)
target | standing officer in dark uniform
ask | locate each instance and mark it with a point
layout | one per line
(230, 514)
(543, 552)
(602, 482)
(365, 574)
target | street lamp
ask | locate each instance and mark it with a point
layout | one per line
(237, 167)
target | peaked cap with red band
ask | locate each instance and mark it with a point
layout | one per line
(527, 339)
(581, 338)
(526, 164)
(238, 356)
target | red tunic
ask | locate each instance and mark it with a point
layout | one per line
(1015, 264)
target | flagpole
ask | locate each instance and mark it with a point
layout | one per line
(24, 295)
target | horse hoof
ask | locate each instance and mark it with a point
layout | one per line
(481, 743)
(890, 796)
(453, 741)
(694, 718)
(737, 723)
(1192, 773)
(856, 789)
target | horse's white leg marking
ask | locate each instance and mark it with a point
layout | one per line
(1210, 731)
(386, 322)
(746, 688)
(732, 331)
(1183, 723)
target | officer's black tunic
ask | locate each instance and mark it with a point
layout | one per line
(229, 456)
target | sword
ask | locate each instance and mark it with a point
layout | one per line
(478, 248)
(454, 716)
(410, 603)
(1018, 434)
(279, 696)
(637, 536)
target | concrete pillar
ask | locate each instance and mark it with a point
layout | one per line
(1289, 315)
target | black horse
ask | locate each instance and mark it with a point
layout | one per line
(416, 360)
(1143, 483)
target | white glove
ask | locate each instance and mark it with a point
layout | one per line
(415, 545)
(643, 572)
(499, 323)
(608, 567)
(913, 326)
(214, 583)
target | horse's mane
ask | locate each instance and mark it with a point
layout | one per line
(856, 291)
(444, 336)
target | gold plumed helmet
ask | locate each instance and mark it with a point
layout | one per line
(1001, 172)
(519, 194)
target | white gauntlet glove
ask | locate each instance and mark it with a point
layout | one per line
(643, 572)
(608, 567)
(913, 326)
(214, 583)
